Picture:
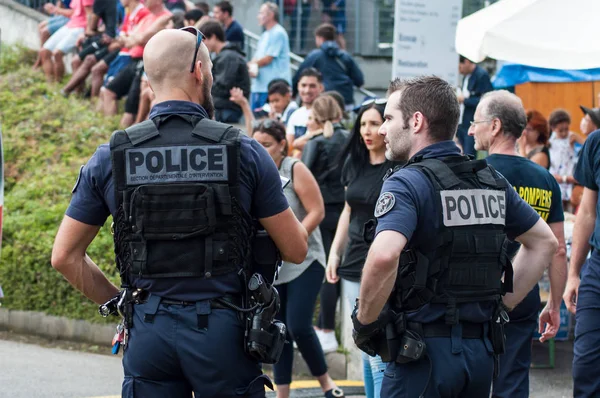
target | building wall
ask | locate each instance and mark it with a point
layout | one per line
(18, 24)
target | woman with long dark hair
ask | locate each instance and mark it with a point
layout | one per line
(299, 284)
(364, 166)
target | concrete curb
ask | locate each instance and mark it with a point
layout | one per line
(38, 323)
(61, 328)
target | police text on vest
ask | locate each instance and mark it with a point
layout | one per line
(161, 165)
(473, 207)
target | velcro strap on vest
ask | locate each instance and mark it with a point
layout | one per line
(439, 173)
(500, 182)
(210, 130)
(142, 132)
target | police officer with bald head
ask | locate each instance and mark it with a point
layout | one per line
(183, 192)
(437, 276)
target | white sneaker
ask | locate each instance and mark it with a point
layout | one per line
(328, 341)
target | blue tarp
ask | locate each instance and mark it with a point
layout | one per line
(512, 74)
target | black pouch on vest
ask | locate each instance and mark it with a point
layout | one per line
(173, 212)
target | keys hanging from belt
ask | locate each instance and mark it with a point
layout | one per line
(119, 338)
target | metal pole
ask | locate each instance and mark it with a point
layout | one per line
(281, 12)
(356, 26)
(298, 25)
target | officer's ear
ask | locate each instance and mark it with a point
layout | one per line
(418, 122)
(198, 71)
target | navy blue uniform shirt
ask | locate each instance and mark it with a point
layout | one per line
(416, 216)
(536, 186)
(93, 201)
(587, 173)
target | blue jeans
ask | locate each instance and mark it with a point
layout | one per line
(258, 100)
(513, 375)
(172, 357)
(373, 367)
(586, 350)
(298, 299)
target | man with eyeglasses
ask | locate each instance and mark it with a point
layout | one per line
(499, 121)
(432, 292)
(183, 191)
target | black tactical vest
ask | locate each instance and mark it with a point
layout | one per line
(178, 200)
(465, 259)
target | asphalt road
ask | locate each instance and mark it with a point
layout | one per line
(33, 370)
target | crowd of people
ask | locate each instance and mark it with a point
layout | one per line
(325, 144)
(107, 40)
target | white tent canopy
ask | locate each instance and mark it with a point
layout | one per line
(556, 34)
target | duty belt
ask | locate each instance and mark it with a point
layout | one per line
(470, 330)
(217, 303)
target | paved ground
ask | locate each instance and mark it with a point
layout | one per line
(552, 383)
(33, 367)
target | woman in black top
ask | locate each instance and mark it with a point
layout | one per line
(321, 155)
(362, 175)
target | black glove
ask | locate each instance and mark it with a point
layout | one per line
(365, 336)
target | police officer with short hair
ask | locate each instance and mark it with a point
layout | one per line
(183, 191)
(499, 121)
(431, 292)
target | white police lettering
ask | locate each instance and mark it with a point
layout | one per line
(473, 207)
(176, 164)
(384, 204)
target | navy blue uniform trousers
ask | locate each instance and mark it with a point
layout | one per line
(171, 356)
(459, 368)
(586, 350)
(513, 376)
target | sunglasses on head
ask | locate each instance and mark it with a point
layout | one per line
(376, 101)
(262, 124)
(199, 37)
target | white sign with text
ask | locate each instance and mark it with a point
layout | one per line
(424, 32)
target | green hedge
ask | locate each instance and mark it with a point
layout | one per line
(46, 139)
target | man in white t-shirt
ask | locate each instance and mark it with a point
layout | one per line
(310, 85)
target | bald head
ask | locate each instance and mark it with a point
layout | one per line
(168, 57)
(506, 107)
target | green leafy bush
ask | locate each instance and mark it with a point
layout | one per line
(46, 139)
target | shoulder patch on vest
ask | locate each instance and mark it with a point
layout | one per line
(385, 203)
(78, 180)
